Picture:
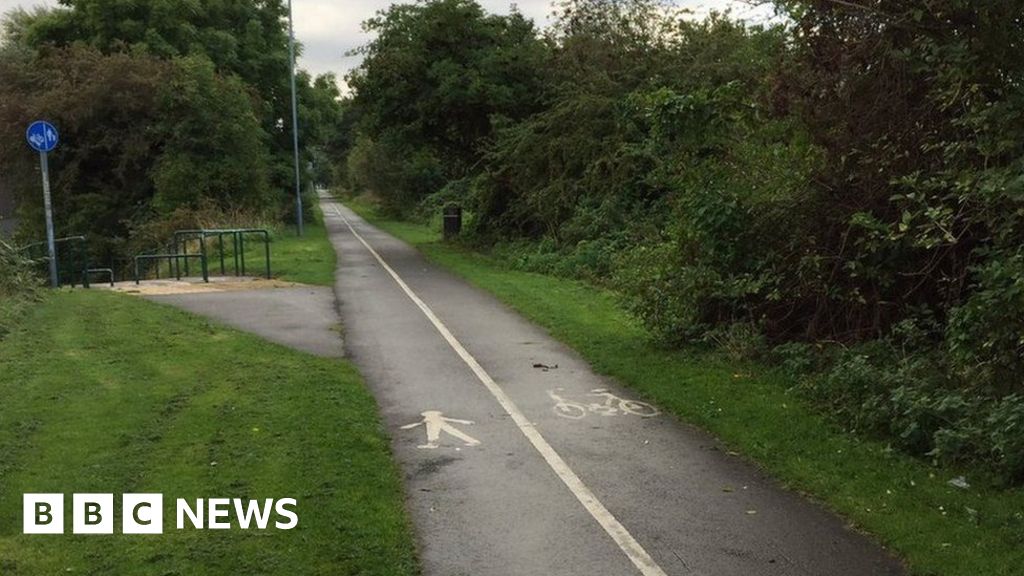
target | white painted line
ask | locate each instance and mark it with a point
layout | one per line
(636, 553)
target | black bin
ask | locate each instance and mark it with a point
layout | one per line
(452, 221)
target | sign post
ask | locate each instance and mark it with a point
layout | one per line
(43, 138)
(295, 122)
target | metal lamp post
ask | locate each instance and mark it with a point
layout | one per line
(295, 120)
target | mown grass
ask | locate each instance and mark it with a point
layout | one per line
(12, 308)
(309, 259)
(111, 394)
(905, 503)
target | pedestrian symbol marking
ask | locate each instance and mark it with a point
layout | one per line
(42, 136)
(436, 423)
(612, 405)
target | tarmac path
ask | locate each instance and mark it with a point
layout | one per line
(302, 317)
(520, 460)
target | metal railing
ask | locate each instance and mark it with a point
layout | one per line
(108, 271)
(74, 267)
(237, 235)
(72, 259)
(173, 263)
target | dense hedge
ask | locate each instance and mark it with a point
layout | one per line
(845, 185)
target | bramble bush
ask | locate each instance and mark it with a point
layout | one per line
(912, 401)
(985, 336)
(844, 188)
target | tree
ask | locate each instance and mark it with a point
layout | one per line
(433, 83)
(196, 117)
(107, 110)
(244, 38)
(212, 145)
(919, 111)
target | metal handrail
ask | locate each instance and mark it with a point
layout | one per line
(74, 271)
(108, 271)
(55, 241)
(172, 258)
(238, 239)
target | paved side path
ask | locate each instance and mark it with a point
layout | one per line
(515, 469)
(302, 317)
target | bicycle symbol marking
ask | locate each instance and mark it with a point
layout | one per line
(611, 405)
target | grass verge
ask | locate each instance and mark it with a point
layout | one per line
(908, 505)
(111, 394)
(306, 259)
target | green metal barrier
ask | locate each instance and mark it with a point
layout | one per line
(72, 259)
(237, 239)
(172, 260)
(73, 256)
(108, 271)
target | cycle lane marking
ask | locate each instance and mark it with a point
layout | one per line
(612, 406)
(618, 533)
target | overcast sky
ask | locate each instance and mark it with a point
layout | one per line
(329, 29)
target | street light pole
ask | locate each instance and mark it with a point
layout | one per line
(295, 121)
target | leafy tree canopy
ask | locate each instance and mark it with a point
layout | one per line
(200, 116)
(437, 77)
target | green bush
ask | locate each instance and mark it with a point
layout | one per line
(1003, 438)
(986, 334)
(665, 295)
(739, 341)
(213, 147)
(910, 399)
(19, 286)
(590, 260)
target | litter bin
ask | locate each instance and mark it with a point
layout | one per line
(452, 221)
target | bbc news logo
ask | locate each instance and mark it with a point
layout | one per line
(144, 514)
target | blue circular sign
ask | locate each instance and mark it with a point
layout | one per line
(42, 136)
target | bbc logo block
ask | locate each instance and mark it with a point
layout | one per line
(43, 513)
(93, 513)
(144, 514)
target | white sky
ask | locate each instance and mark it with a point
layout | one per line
(328, 29)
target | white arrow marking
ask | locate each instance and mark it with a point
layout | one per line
(437, 423)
